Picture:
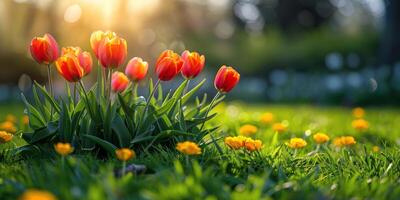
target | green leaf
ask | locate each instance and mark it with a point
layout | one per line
(189, 94)
(122, 131)
(110, 148)
(48, 97)
(36, 120)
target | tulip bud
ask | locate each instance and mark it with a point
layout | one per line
(119, 82)
(84, 58)
(136, 69)
(96, 39)
(68, 66)
(226, 79)
(168, 65)
(44, 49)
(193, 64)
(112, 52)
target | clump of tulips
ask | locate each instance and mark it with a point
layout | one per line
(94, 119)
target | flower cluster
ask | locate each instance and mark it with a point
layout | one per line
(188, 148)
(239, 142)
(344, 141)
(297, 143)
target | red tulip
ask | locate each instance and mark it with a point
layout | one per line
(97, 38)
(168, 65)
(226, 79)
(136, 69)
(119, 82)
(112, 52)
(193, 64)
(84, 58)
(69, 67)
(44, 49)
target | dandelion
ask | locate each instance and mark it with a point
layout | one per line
(344, 141)
(248, 129)
(235, 142)
(358, 112)
(360, 124)
(5, 137)
(8, 126)
(375, 149)
(321, 138)
(63, 148)
(297, 143)
(125, 154)
(34, 194)
(267, 118)
(253, 145)
(11, 118)
(279, 127)
(188, 148)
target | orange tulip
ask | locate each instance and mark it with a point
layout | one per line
(112, 51)
(97, 38)
(226, 79)
(69, 67)
(193, 64)
(44, 49)
(84, 58)
(119, 82)
(168, 65)
(136, 69)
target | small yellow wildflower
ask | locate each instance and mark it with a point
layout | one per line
(321, 138)
(360, 124)
(8, 126)
(25, 120)
(267, 118)
(188, 148)
(375, 149)
(297, 143)
(358, 112)
(63, 148)
(125, 154)
(253, 145)
(5, 137)
(11, 118)
(344, 141)
(34, 194)
(235, 142)
(279, 127)
(248, 130)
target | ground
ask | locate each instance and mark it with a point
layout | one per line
(359, 171)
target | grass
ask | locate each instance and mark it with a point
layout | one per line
(275, 172)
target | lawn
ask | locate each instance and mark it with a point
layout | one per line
(368, 169)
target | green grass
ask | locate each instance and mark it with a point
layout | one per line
(276, 172)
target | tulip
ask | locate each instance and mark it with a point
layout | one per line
(97, 38)
(193, 64)
(69, 67)
(44, 49)
(168, 65)
(112, 51)
(119, 82)
(226, 79)
(84, 58)
(136, 69)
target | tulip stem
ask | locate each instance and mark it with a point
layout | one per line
(75, 94)
(50, 88)
(86, 98)
(123, 168)
(209, 108)
(134, 91)
(110, 71)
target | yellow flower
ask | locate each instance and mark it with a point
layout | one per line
(235, 142)
(248, 130)
(358, 112)
(253, 145)
(33, 194)
(344, 141)
(8, 126)
(321, 138)
(188, 148)
(360, 124)
(297, 143)
(279, 127)
(5, 137)
(375, 149)
(11, 118)
(63, 148)
(267, 118)
(25, 120)
(125, 154)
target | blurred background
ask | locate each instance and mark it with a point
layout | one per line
(344, 52)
